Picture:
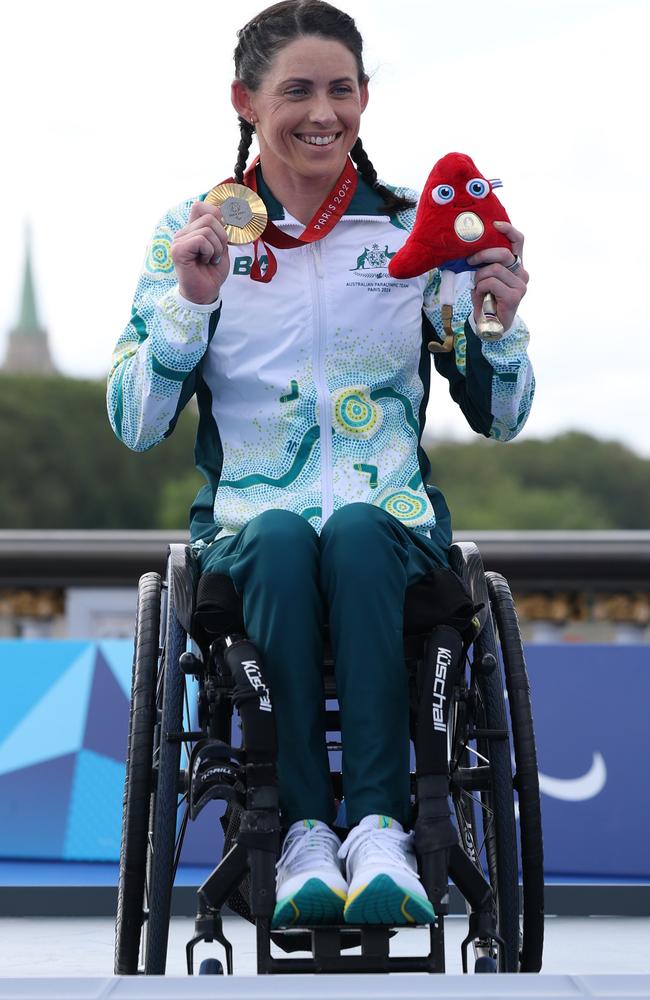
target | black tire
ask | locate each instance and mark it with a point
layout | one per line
(485, 964)
(498, 808)
(526, 781)
(492, 842)
(137, 784)
(211, 967)
(164, 849)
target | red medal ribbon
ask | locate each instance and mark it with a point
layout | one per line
(321, 223)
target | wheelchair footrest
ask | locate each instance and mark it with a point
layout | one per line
(307, 938)
(327, 942)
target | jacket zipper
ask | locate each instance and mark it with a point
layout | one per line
(324, 400)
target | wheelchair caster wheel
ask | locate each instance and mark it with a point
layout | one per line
(211, 967)
(485, 964)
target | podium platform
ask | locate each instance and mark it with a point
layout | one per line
(362, 987)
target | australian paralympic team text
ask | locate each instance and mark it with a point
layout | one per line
(334, 205)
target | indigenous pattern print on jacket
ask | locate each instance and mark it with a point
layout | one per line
(312, 389)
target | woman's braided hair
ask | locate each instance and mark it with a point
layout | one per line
(269, 31)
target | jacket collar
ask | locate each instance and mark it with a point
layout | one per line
(365, 201)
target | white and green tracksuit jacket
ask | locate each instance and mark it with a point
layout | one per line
(311, 389)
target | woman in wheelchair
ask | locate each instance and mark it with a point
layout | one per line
(310, 366)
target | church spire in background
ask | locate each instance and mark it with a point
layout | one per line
(28, 320)
(28, 351)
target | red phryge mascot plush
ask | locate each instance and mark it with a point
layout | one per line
(454, 220)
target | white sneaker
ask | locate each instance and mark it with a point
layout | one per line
(310, 887)
(383, 882)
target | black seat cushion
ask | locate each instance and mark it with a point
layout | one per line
(439, 598)
(218, 609)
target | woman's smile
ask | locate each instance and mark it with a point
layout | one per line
(316, 139)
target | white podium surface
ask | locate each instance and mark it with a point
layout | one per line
(72, 959)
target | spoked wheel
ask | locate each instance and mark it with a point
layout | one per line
(526, 781)
(155, 802)
(169, 811)
(137, 786)
(486, 818)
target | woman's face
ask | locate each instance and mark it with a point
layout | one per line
(307, 107)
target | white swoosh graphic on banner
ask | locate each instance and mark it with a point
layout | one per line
(577, 789)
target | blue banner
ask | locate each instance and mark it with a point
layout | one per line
(590, 705)
(63, 737)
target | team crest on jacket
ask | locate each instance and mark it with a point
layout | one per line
(371, 269)
(372, 258)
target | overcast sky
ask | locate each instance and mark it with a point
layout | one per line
(112, 113)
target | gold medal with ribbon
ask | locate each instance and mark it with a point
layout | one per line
(243, 212)
(246, 220)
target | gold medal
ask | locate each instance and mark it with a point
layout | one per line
(468, 227)
(242, 210)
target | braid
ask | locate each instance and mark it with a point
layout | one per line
(246, 130)
(393, 203)
(366, 168)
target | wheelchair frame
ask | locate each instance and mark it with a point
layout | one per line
(482, 734)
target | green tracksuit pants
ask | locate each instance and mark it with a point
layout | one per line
(354, 575)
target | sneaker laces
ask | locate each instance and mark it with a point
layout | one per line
(376, 845)
(309, 848)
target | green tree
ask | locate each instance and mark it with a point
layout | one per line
(572, 481)
(176, 499)
(62, 466)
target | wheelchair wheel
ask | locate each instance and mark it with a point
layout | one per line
(137, 785)
(164, 845)
(211, 967)
(487, 820)
(526, 781)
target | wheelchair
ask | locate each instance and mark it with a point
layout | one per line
(493, 782)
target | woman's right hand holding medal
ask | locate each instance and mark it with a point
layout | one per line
(200, 254)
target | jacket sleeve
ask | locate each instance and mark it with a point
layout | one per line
(155, 363)
(492, 382)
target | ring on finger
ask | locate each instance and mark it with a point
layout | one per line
(516, 264)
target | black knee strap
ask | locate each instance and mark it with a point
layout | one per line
(253, 701)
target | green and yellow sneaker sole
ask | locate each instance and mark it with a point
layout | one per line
(314, 903)
(383, 901)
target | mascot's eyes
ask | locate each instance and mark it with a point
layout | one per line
(477, 187)
(443, 194)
